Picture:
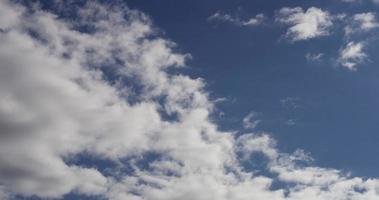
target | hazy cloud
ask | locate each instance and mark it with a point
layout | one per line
(314, 57)
(362, 22)
(250, 121)
(236, 20)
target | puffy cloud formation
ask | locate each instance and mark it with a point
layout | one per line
(76, 95)
(305, 25)
(221, 17)
(352, 54)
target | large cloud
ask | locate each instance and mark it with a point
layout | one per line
(100, 87)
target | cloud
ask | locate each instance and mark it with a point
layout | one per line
(305, 25)
(249, 121)
(220, 17)
(291, 103)
(106, 92)
(362, 22)
(314, 57)
(291, 122)
(352, 55)
(359, 1)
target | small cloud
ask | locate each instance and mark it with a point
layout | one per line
(301, 155)
(258, 19)
(352, 55)
(250, 121)
(220, 100)
(291, 102)
(291, 105)
(218, 16)
(363, 22)
(314, 57)
(305, 25)
(291, 122)
(360, 1)
(236, 20)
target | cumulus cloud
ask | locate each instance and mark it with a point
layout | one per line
(305, 25)
(352, 55)
(105, 91)
(222, 17)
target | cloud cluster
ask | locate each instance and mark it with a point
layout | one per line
(306, 24)
(353, 52)
(314, 22)
(99, 88)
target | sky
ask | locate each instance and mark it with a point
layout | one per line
(169, 100)
(257, 68)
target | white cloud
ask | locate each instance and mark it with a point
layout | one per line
(362, 22)
(56, 103)
(359, 1)
(221, 17)
(314, 57)
(305, 25)
(250, 121)
(367, 20)
(352, 55)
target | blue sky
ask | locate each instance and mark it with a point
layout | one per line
(146, 99)
(255, 68)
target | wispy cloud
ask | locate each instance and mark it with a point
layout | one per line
(362, 22)
(250, 121)
(314, 57)
(291, 103)
(360, 1)
(236, 20)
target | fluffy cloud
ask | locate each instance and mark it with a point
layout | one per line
(305, 25)
(100, 86)
(352, 54)
(221, 17)
(362, 22)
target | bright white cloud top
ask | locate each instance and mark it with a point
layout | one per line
(305, 25)
(57, 103)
